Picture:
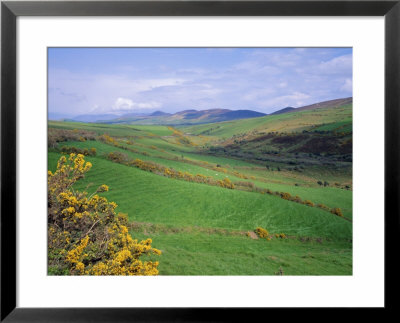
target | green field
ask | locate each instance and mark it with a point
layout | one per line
(200, 228)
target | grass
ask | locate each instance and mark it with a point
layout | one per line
(342, 126)
(214, 254)
(113, 130)
(332, 197)
(176, 164)
(156, 199)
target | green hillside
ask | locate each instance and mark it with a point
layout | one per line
(287, 122)
(329, 196)
(194, 211)
(288, 172)
(150, 198)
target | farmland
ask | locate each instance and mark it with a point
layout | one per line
(200, 191)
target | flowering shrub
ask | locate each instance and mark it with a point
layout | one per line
(109, 140)
(322, 206)
(181, 139)
(337, 211)
(308, 202)
(286, 196)
(240, 175)
(226, 182)
(85, 235)
(261, 232)
(297, 199)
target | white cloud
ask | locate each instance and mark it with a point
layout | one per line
(337, 65)
(149, 84)
(295, 99)
(124, 104)
(347, 86)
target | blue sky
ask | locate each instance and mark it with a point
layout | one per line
(137, 80)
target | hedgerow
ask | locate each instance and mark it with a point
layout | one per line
(75, 150)
(309, 203)
(60, 135)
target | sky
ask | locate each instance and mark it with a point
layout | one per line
(142, 80)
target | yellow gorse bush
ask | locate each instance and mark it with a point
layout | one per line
(337, 211)
(308, 202)
(85, 235)
(261, 232)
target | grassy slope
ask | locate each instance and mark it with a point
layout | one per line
(292, 121)
(332, 197)
(176, 164)
(204, 254)
(113, 130)
(156, 199)
(150, 198)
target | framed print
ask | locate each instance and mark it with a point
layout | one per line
(197, 155)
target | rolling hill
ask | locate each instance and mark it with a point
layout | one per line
(337, 113)
(187, 117)
(328, 104)
(284, 110)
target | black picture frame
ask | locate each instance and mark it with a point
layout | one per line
(10, 10)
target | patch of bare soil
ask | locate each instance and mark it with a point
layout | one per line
(253, 235)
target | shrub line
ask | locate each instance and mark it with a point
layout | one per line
(199, 178)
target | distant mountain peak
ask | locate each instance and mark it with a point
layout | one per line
(159, 113)
(186, 111)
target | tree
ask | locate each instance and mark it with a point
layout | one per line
(85, 235)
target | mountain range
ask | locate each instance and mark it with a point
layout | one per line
(186, 117)
(192, 117)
